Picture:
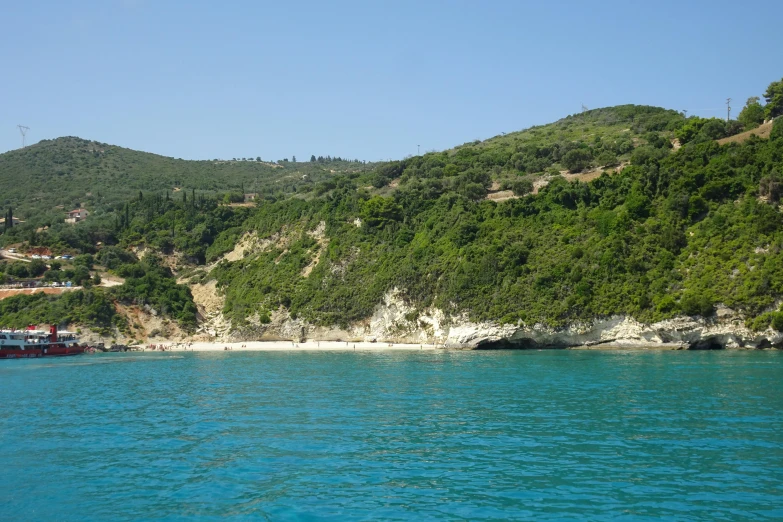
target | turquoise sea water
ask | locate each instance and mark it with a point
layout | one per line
(540, 435)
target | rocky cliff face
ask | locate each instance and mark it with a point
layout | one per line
(396, 321)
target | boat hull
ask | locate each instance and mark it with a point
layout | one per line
(52, 351)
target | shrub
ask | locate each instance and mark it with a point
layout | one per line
(36, 268)
(777, 321)
(607, 159)
(522, 187)
(752, 114)
(577, 159)
(777, 129)
(696, 304)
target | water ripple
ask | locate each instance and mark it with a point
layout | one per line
(394, 436)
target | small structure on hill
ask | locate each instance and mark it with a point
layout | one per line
(74, 216)
(250, 197)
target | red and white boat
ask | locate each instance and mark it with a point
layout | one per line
(32, 342)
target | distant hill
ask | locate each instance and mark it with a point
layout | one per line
(71, 172)
(44, 180)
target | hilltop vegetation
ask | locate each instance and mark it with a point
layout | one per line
(658, 231)
(71, 172)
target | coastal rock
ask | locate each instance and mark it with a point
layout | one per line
(396, 321)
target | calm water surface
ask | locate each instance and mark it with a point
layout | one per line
(549, 435)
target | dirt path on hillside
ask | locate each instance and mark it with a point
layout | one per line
(10, 292)
(16, 257)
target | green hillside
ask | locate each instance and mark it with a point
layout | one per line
(676, 232)
(72, 172)
(625, 210)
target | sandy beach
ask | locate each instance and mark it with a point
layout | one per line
(290, 346)
(249, 346)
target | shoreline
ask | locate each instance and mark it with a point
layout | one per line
(288, 346)
(343, 346)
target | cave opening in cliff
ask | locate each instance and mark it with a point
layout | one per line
(710, 343)
(516, 344)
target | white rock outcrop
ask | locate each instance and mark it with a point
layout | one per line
(394, 320)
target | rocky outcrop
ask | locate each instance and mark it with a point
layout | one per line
(680, 332)
(394, 320)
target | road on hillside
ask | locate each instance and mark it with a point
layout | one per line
(18, 257)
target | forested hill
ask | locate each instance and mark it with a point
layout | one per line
(676, 231)
(71, 173)
(629, 210)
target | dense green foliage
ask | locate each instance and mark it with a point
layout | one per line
(752, 114)
(150, 283)
(699, 130)
(90, 306)
(774, 99)
(673, 233)
(182, 226)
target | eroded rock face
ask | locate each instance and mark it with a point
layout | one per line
(394, 320)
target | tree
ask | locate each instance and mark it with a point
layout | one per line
(777, 129)
(774, 98)
(36, 268)
(607, 159)
(521, 187)
(752, 114)
(258, 158)
(293, 159)
(690, 130)
(312, 158)
(577, 159)
(378, 211)
(714, 129)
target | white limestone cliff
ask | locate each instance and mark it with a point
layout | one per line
(394, 320)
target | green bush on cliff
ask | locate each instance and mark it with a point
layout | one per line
(150, 283)
(92, 307)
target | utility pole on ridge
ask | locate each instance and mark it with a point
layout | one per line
(728, 107)
(23, 130)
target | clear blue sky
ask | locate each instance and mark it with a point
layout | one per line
(365, 79)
